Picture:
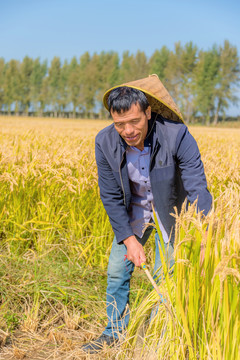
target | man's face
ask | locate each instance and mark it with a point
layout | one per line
(132, 125)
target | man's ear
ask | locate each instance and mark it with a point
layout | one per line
(148, 112)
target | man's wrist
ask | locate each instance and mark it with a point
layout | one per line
(129, 240)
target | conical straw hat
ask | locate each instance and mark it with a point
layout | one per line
(158, 97)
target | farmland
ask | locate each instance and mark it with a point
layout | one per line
(55, 241)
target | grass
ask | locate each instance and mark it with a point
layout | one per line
(55, 240)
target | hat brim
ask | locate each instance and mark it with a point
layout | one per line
(157, 104)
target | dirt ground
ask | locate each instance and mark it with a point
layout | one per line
(55, 345)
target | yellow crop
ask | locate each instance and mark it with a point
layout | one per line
(49, 199)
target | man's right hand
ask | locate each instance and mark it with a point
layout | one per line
(135, 252)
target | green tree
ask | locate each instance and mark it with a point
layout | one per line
(88, 70)
(54, 80)
(228, 79)
(140, 65)
(107, 76)
(74, 84)
(188, 61)
(206, 78)
(2, 75)
(11, 85)
(26, 69)
(44, 96)
(133, 66)
(39, 72)
(84, 64)
(126, 72)
(158, 63)
(204, 82)
(179, 77)
(63, 98)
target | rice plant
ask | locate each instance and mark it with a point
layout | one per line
(55, 240)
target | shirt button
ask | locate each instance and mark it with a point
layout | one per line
(142, 168)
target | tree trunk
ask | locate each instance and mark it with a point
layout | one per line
(215, 121)
(26, 111)
(16, 109)
(187, 119)
(208, 118)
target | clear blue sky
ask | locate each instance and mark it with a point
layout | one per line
(67, 28)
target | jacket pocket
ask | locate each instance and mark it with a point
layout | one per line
(164, 174)
(163, 182)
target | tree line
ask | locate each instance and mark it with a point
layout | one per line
(203, 83)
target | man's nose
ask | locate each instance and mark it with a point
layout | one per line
(129, 129)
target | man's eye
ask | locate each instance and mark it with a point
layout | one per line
(118, 124)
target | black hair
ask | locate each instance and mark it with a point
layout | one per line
(122, 98)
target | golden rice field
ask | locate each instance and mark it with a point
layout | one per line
(55, 239)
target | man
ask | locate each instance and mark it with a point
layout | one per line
(146, 160)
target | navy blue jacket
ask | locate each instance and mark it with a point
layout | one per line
(176, 172)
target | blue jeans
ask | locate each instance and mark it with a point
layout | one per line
(119, 274)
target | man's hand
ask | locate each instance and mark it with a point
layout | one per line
(135, 251)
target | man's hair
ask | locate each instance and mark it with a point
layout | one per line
(122, 98)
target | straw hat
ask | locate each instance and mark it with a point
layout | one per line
(158, 97)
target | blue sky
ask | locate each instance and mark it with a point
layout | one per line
(48, 28)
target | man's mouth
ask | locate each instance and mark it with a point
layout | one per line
(131, 138)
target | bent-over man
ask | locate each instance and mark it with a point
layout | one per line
(146, 160)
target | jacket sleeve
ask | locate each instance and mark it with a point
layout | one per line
(192, 170)
(112, 197)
